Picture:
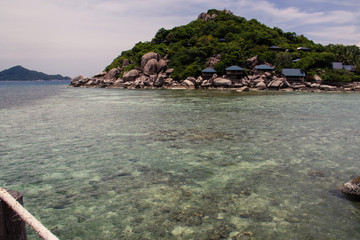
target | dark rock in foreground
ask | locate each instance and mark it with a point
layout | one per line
(352, 188)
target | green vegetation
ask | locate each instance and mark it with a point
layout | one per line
(190, 46)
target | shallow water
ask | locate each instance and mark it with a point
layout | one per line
(175, 164)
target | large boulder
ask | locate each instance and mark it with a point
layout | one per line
(168, 81)
(221, 82)
(131, 75)
(139, 82)
(317, 79)
(147, 57)
(101, 74)
(151, 67)
(159, 81)
(112, 74)
(328, 88)
(161, 65)
(79, 80)
(205, 84)
(206, 17)
(286, 84)
(192, 79)
(352, 188)
(169, 71)
(141, 78)
(199, 81)
(276, 84)
(252, 62)
(188, 84)
(315, 85)
(261, 85)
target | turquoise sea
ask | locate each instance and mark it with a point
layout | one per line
(177, 164)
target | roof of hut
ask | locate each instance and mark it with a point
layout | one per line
(264, 67)
(293, 72)
(209, 70)
(234, 68)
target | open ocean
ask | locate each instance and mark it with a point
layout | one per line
(177, 164)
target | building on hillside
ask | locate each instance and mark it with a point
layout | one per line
(207, 73)
(337, 65)
(304, 49)
(340, 65)
(275, 49)
(222, 40)
(349, 68)
(293, 74)
(234, 72)
(261, 69)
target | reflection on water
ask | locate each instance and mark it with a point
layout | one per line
(122, 164)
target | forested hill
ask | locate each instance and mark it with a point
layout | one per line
(220, 39)
(19, 73)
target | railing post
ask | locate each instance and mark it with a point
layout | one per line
(12, 227)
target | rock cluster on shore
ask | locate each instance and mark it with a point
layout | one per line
(154, 73)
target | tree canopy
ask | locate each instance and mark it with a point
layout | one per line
(190, 46)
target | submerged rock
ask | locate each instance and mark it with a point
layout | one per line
(352, 188)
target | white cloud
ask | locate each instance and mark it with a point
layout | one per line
(83, 36)
(344, 34)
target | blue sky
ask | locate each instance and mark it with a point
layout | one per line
(73, 37)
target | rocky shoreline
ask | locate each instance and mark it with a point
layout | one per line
(155, 74)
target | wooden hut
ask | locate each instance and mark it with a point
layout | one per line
(261, 69)
(234, 72)
(293, 74)
(207, 73)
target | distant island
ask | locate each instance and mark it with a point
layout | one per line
(19, 73)
(221, 50)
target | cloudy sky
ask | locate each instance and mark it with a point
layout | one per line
(73, 37)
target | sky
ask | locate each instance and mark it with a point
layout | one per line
(73, 37)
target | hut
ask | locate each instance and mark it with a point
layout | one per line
(261, 69)
(337, 65)
(293, 74)
(207, 73)
(275, 49)
(304, 49)
(234, 72)
(350, 68)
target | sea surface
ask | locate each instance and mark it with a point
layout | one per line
(177, 164)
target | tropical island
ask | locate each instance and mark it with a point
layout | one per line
(19, 73)
(221, 50)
